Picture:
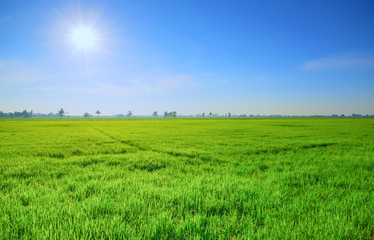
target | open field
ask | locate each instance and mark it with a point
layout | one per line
(187, 179)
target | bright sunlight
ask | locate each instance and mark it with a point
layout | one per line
(84, 37)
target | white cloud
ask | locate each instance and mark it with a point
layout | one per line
(132, 88)
(16, 72)
(343, 61)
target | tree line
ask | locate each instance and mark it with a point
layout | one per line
(61, 113)
(15, 114)
(129, 114)
(173, 114)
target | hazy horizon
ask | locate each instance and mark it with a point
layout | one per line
(288, 58)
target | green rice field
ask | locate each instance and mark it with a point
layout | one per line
(187, 179)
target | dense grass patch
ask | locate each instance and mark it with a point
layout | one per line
(187, 179)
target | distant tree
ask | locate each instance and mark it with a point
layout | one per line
(203, 114)
(25, 114)
(166, 114)
(174, 114)
(86, 114)
(31, 113)
(229, 114)
(61, 112)
(129, 114)
(210, 114)
(98, 113)
(155, 114)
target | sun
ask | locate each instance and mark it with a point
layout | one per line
(84, 37)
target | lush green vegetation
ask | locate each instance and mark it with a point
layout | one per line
(187, 178)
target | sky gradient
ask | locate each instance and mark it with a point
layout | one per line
(243, 57)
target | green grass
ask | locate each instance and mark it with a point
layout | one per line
(187, 179)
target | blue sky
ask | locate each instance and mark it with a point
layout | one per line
(243, 57)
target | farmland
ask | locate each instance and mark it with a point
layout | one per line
(187, 178)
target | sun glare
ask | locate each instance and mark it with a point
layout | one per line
(84, 37)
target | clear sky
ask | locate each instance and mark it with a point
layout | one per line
(243, 57)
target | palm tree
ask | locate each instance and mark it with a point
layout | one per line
(98, 113)
(85, 115)
(31, 113)
(61, 112)
(129, 114)
(155, 114)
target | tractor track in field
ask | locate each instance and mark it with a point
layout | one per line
(128, 142)
(140, 148)
(207, 158)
